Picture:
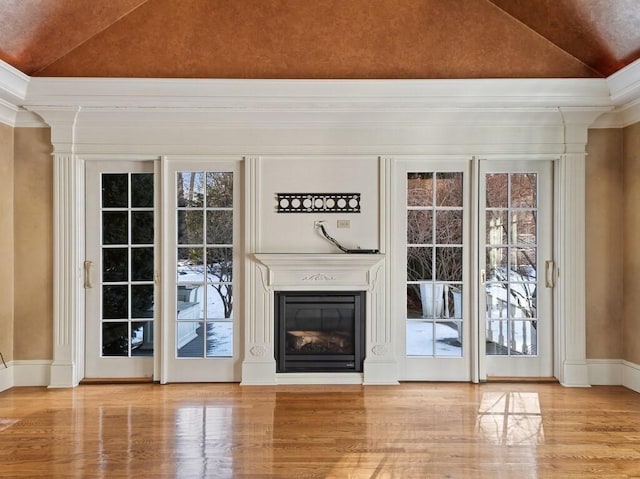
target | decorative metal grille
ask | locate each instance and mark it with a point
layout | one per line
(318, 202)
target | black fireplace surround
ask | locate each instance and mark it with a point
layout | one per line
(319, 331)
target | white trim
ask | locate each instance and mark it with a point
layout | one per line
(631, 375)
(8, 112)
(28, 119)
(345, 95)
(605, 372)
(6, 377)
(620, 117)
(625, 84)
(13, 83)
(25, 373)
(31, 372)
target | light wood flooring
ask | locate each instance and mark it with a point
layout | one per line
(415, 430)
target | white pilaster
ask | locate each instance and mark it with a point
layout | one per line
(571, 360)
(68, 243)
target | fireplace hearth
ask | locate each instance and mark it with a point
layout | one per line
(319, 331)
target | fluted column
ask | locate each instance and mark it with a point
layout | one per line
(571, 361)
(68, 244)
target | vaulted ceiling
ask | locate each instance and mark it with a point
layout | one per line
(320, 38)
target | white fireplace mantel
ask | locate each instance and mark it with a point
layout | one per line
(317, 272)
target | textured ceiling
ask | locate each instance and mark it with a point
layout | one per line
(320, 38)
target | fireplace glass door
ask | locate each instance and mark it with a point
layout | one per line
(319, 331)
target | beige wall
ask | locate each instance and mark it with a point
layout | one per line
(33, 212)
(613, 160)
(632, 243)
(6, 242)
(604, 241)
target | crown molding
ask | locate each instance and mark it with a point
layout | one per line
(13, 91)
(624, 85)
(316, 95)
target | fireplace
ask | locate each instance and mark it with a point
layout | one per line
(319, 331)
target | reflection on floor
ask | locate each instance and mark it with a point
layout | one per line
(421, 430)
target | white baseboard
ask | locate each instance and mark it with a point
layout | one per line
(614, 372)
(25, 373)
(6, 377)
(631, 376)
(31, 372)
(605, 372)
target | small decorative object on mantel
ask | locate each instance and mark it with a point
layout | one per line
(318, 202)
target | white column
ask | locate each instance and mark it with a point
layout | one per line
(259, 365)
(67, 367)
(67, 275)
(571, 361)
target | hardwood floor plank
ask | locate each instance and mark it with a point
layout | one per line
(421, 430)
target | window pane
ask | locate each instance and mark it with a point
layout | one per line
(523, 227)
(420, 227)
(191, 265)
(420, 189)
(497, 227)
(448, 301)
(497, 300)
(219, 190)
(434, 300)
(142, 264)
(448, 264)
(449, 227)
(497, 337)
(523, 190)
(524, 338)
(449, 189)
(142, 301)
(419, 338)
(115, 228)
(190, 299)
(142, 227)
(115, 303)
(497, 188)
(219, 301)
(142, 338)
(190, 227)
(115, 190)
(496, 263)
(416, 301)
(219, 227)
(142, 190)
(115, 264)
(449, 338)
(522, 300)
(220, 339)
(419, 264)
(523, 264)
(190, 338)
(115, 339)
(190, 189)
(219, 265)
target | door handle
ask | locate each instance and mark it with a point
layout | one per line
(88, 265)
(483, 276)
(549, 270)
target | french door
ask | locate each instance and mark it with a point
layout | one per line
(453, 325)
(202, 218)
(432, 269)
(516, 268)
(120, 267)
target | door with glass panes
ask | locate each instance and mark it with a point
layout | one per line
(120, 266)
(516, 268)
(431, 270)
(202, 218)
